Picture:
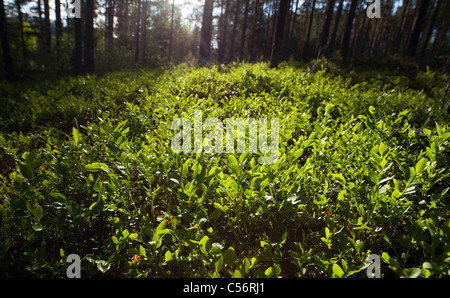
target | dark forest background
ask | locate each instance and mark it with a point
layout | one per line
(38, 37)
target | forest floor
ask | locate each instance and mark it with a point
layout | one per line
(89, 167)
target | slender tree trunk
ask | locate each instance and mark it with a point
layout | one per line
(322, 46)
(223, 39)
(6, 50)
(332, 41)
(58, 22)
(244, 29)
(78, 51)
(41, 25)
(138, 33)
(403, 18)
(48, 31)
(291, 29)
(233, 34)
(271, 31)
(417, 27)
(277, 46)
(253, 33)
(89, 42)
(22, 36)
(348, 31)
(144, 32)
(430, 26)
(308, 34)
(206, 32)
(110, 28)
(442, 31)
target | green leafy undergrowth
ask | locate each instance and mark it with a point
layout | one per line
(87, 168)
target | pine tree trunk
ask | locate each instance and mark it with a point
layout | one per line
(244, 29)
(253, 33)
(6, 50)
(442, 31)
(332, 41)
(78, 52)
(308, 34)
(89, 38)
(206, 32)
(58, 22)
(110, 27)
(48, 32)
(233, 34)
(322, 46)
(280, 31)
(417, 27)
(22, 36)
(430, 26)
(138, 33)
(348, 31)
(144, 32)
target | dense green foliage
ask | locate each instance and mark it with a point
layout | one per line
(87, 169)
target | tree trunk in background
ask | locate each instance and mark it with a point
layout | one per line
(138, 33)
(332, 41)
(308, 34)
(48, 30)
(89, 41)
(280, 31)
(430, 26)
(271, 30)
(404, 16)
(58, 22)
(123, 23)
(78, 51)
(233, 34)
(442, 31)
(206, 32)
(41, 24)
(348, 31)
(253, 33)
(223, 37)
(291, 30)
(323, 39)
(110, 27)
(417, 27)
(144, 31)
(22, 37)
(244, 29)
(6, 50)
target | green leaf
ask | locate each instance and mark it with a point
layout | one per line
(339, 178)
(58, 197)
(382, 149)
(25, 170)
(185, 167)
(38, 212)
(168, 256)
(218, 263)
(412, 272)
(103, 266)
(30, 159)
(420, 166)
(337, 271)
(76, 135)
(205, 244)
(229, 256)
(96, 166)
(269, 272)
(234, 166)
